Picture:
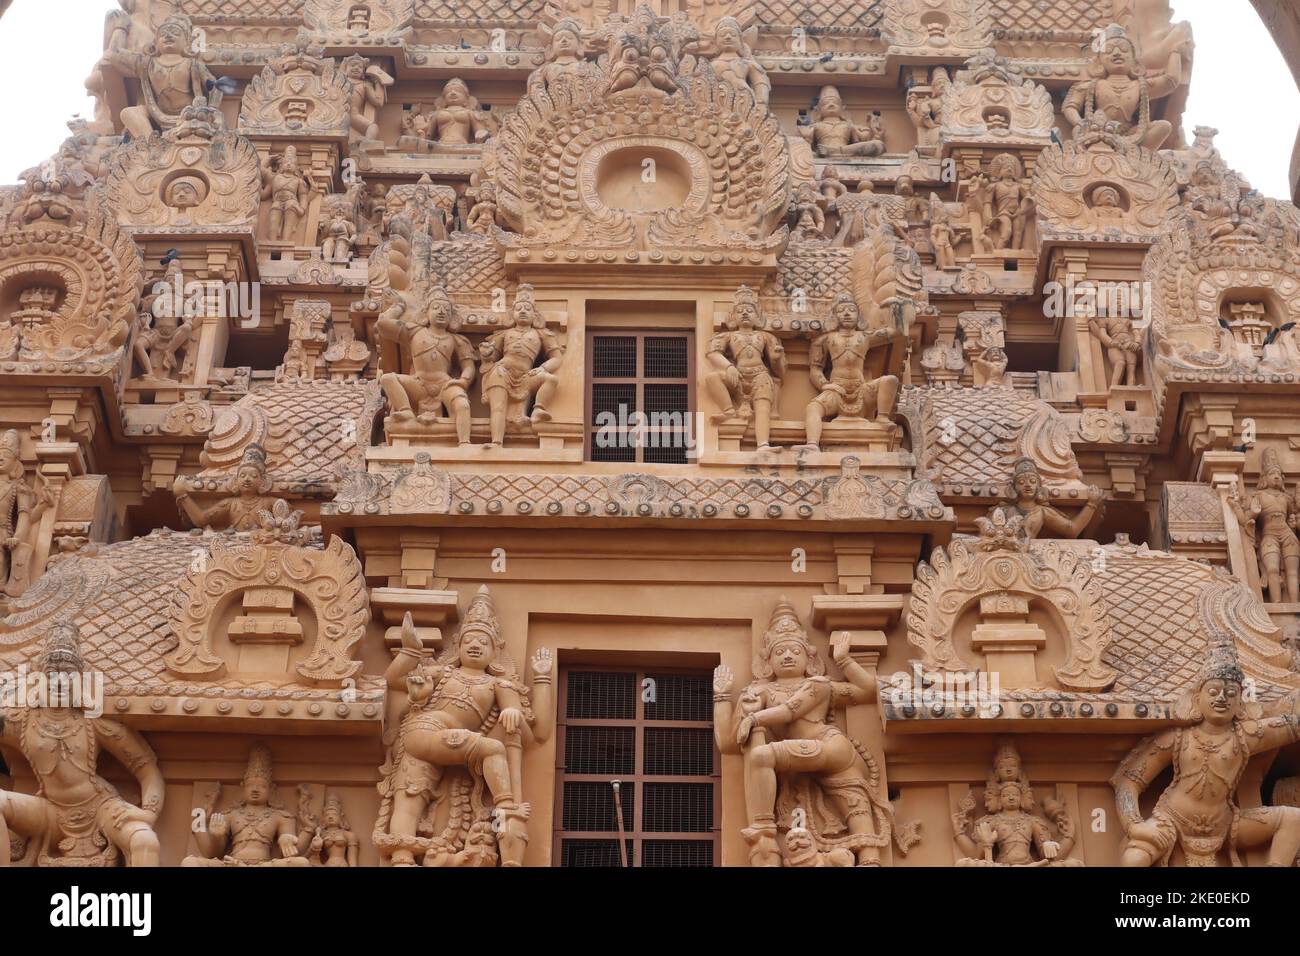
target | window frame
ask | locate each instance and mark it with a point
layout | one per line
(638, 381)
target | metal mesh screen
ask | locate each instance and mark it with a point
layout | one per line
(593, 853)
(613, 356)
(666, 356)
(607, 750)
(677, 853)
(602, 695)
(678, 808)
(678, 751)
(680, 697)
(589, 805)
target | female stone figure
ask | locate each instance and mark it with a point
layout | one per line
(1029, 501)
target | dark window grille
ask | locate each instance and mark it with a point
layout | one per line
(653, 732)
(640, 396)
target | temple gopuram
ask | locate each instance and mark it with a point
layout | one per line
(648, 433)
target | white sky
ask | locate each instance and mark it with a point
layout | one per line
(1241, 85)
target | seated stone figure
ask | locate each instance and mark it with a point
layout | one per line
(247, 497)
(833, 135)
(77, 818)
(456, 759)
(249, 833)
(1013, 832)
(848, 392)
(511, 375)
(1198, 810)
(801, 770)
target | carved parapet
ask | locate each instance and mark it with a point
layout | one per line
(381, 23)
(1103, 188)
(193, 181)
(991, 104)
(299, 95)
(932, 27)
(285, 591)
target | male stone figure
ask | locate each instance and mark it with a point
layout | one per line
(1115, 333)
(369, 94)
(171, 75)
(848, 391)
(288, 189)
(1121, 92)
(468, 708)
(245, 834)
(20, 511)
(832, 134)
(1198, 810)
(509, 376)
(1277, 515)
(77, 817)
(749, 364)
(1007, 203)
(423, 324)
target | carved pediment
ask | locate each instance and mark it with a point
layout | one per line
(641, 155)
(234, 609)
(991, 99)
(70, 278)
(359, 21)
(1103, 187)
(298, 94)
(951, 26)
(196, 178)
(1002, 589)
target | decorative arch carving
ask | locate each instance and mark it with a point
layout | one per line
(959, 576)
(329, 581)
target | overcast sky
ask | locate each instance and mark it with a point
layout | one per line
(1241, 85)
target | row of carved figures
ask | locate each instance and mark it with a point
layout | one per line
(452, 782)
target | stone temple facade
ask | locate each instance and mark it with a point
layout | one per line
(672, 433)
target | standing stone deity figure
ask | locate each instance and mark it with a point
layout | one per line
(1120, 91)
(171, 76)
(77, 817)
(848, 392)
(338, 230)
(509, 376)
(734, 62)
(564, 55)
(1269, 519)
(289, 190)
(1028, 501)
(943, 235)
(1013, 832)
(832, 135)
(424, 324)
(466, 709)
(21, 510)
(1120, 340)
(247, 503)
(1007, 202)
(369, 94)
(331, 840)
(801, 770)
(1198, 811)
(748, 366)
(483, 213)
(926, 110)
(250, 833)
(457, 119)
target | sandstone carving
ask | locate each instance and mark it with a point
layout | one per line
(748, 365)
(256, 830)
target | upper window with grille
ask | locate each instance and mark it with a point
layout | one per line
(640, 396)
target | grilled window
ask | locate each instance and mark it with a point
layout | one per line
(639, 396)
(652, 731)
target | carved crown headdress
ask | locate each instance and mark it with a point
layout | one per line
(259, 764)
(254, 455)
(784, 626)
(481, 617)
(745, 296)
(10, 442)
(1221, 664)
(1270, 461)
(62, 650)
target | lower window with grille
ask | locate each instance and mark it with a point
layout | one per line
(652, 732)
